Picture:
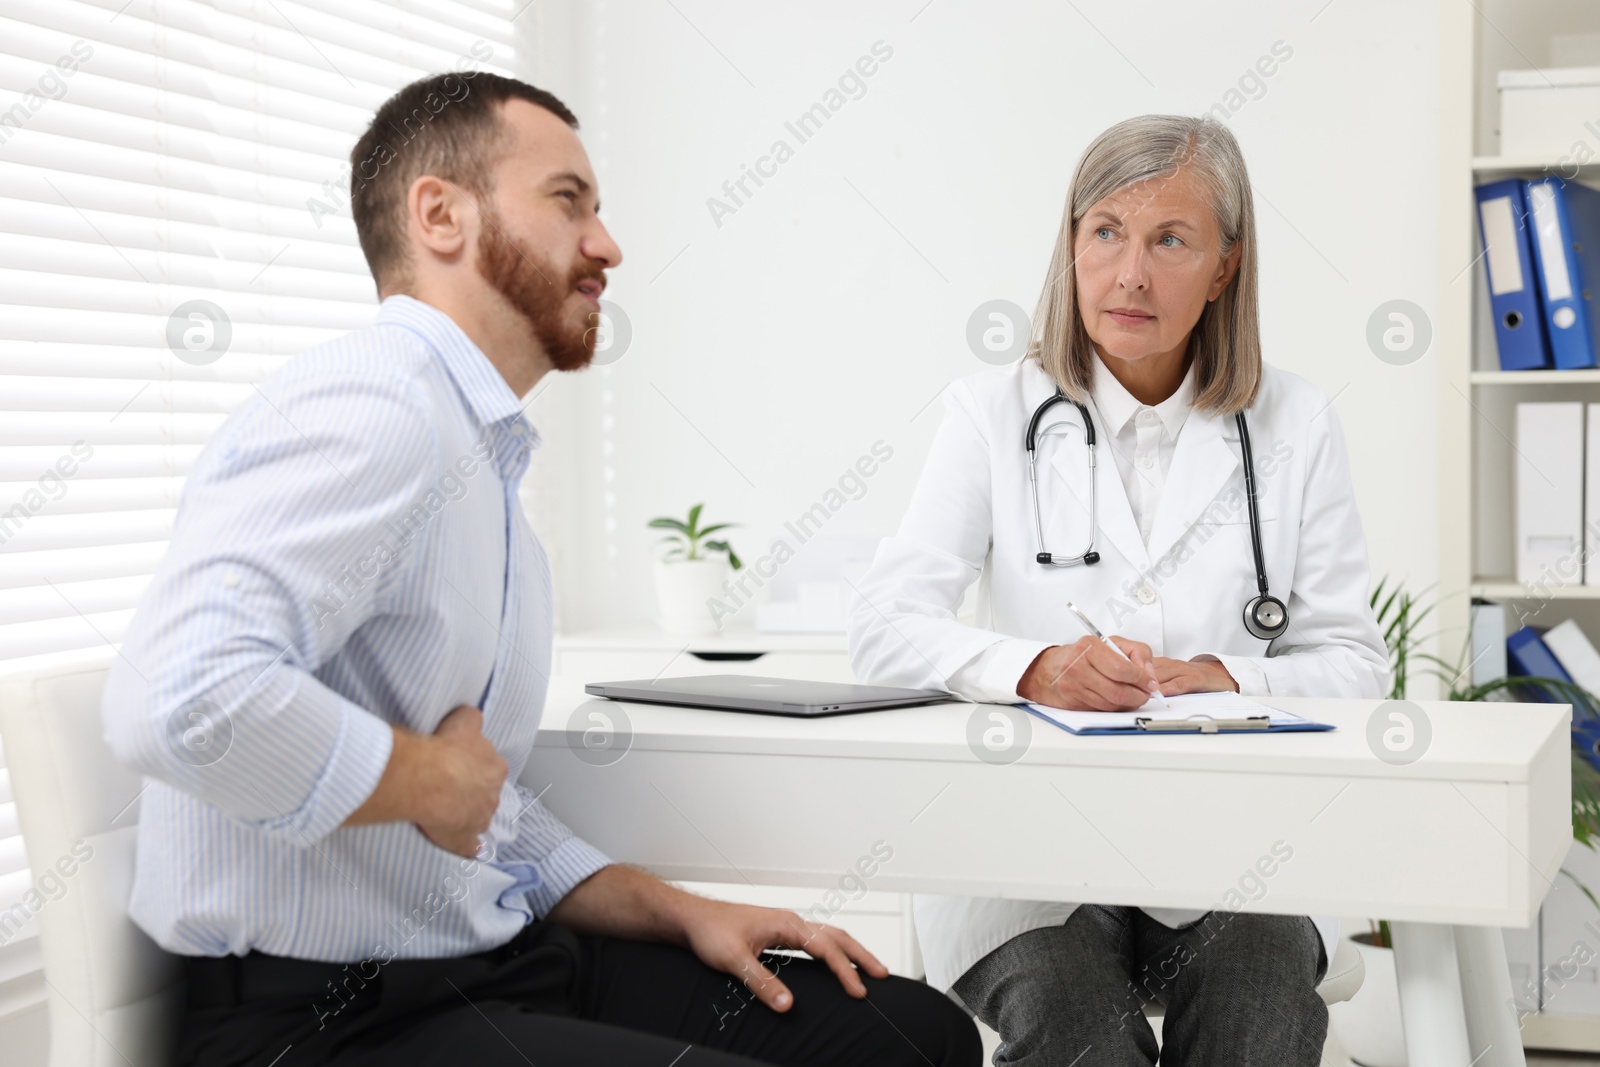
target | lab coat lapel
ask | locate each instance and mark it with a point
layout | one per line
(1203, 462)
(1117, 527)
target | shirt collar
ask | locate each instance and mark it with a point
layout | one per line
(1117, 406)
(487, 395)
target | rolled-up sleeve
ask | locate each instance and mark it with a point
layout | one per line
(549, 859)
(275, 561)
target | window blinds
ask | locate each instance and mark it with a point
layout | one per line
(174, 224)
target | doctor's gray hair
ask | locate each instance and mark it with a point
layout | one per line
(1226, 341)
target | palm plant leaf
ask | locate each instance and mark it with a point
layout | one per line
(1585, 803)
(1559, 690)
(1585, 889)
(1377, 592)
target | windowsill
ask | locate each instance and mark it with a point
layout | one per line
(21, 975)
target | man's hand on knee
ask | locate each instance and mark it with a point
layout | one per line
(620, 901)
(731, 937)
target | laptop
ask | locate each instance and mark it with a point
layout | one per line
(770, 696)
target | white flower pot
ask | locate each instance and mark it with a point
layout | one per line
(1368, 1024)
(683, 588)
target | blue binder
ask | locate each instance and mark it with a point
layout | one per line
(1513, 287)
(1529, 656)
(1566, 240)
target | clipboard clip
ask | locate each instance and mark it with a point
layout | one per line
(1202, 724)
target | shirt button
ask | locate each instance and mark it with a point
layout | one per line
(1146, 462)
(1147, 417)
(1147, 594)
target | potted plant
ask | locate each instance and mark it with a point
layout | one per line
(1368, 1024)
(691, 572)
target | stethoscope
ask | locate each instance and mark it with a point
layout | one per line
(1265, 616)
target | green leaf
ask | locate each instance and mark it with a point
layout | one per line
(694, 517)
(1585, 889)
(667, 524)
(723, 546)
(1585, 803)
(718, 526)
(1560, 690)
(1383, 612)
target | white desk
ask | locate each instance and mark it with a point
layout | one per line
(1464, 840)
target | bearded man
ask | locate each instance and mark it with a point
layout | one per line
(338, 671)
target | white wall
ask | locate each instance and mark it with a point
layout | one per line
(771, 351)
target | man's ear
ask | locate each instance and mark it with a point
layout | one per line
(438, 216)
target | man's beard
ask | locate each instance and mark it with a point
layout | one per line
(539, 292)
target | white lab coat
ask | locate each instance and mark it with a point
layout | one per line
(1183, 594)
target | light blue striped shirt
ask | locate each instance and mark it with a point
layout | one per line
(348, 553)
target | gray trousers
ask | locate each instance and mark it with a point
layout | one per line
(1239, 990)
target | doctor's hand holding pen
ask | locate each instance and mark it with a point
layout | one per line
(1092, 676)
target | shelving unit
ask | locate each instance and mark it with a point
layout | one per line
(1477, 402)
(1506, 589)
(1535, 377)
(1491, 167)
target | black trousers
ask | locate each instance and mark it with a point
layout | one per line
(554, 999)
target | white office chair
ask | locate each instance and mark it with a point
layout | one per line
(1345, 974)
(114, 996)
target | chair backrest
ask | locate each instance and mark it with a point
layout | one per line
(114, 995)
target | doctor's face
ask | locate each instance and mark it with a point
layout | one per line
(1148, 259)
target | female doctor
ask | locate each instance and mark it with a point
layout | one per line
(1148, 347)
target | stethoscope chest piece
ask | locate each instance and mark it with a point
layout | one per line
(1266, 617)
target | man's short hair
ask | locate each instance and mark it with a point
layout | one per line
(446, 125)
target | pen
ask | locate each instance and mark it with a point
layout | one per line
(1112, 645)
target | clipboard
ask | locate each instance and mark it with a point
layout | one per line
(1195, 713)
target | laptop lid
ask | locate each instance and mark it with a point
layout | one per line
(774, 696)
